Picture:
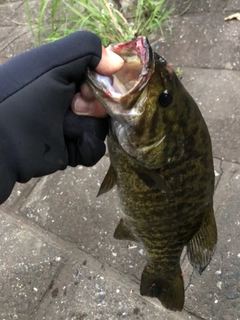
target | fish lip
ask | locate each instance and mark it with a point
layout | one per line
(143, 51)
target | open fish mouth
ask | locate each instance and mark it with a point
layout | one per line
(132, 78)
(123, 94)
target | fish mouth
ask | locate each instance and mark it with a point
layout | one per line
(117, 92)
(123, 94)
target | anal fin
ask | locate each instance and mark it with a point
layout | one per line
(109, 181)
(169, 290)
(202, 246)
(122, 232)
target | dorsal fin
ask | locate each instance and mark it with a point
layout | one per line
(109, 181)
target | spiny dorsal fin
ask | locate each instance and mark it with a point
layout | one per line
(153, 179)
(109, 181)
(201, 247)
(122, 232)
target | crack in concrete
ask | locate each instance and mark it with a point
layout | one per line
(232, 174)
(201, 13)
(13, 38)
(190, 280)
(50, 286)
(194, 314)
(221, 169)
(220, 175)
(209, 68)
(12, 13)
(227, 160)
(19, 203)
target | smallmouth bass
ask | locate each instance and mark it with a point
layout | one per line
(161, 161)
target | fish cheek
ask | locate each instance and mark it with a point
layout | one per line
(149, 127)
(157, 125)
(128, 101)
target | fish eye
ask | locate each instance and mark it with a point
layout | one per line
(165, 99)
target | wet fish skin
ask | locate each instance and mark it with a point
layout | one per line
(166, 142)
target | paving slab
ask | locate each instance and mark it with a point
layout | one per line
(217, 94)
(65, 204)
(19, 193)
(232, 5)
(88, 289)
(15, 36)
(201, 41)
(200, 6)
(11, 14)
(15, 42)
(28, 264)
(216, 294)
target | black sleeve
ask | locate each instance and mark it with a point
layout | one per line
(38, 133)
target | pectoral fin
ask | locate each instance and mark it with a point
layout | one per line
(122, 232)
(109, 181)
(201, 248)
(153, 179)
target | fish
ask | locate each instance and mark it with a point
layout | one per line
(162, 164)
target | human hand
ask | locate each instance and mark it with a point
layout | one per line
(84, 102)
(39, 133)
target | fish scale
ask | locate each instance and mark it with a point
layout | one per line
(155, 201)
(161, 161)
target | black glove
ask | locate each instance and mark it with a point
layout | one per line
(38, 133)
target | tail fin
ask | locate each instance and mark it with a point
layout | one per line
(170, 291)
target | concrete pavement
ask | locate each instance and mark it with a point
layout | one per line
(58, 258)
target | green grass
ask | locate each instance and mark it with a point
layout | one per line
(179, 72)
(113, 23)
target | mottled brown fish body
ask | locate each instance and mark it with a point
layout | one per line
(165, 221)
(161, 160)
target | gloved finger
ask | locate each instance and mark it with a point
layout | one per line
(66, 60)
(86, 151)
(82, 50)
(74, 126)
